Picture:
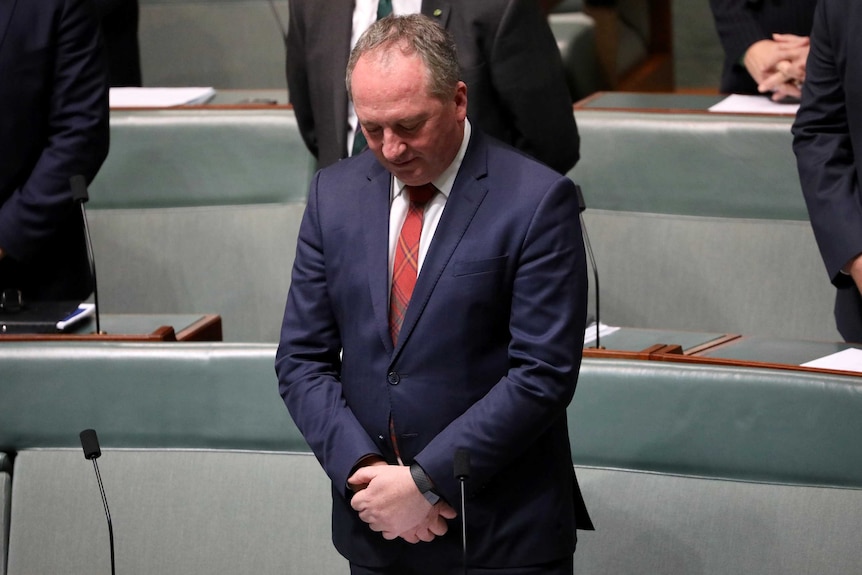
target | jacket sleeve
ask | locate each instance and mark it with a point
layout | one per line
(76, 128)
(824, 150)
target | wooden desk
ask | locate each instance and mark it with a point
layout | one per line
(136, 327)
(729, 350)
(669, 103)
(639, 343)
(761, 352)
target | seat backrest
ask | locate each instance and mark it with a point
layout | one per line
(663, 523)
(197, 211)
(688, 215)
(726, 423)
(220, 43)
(173, 512)
(189, 395)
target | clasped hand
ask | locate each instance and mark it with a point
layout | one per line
(387, 499)
(778, 65)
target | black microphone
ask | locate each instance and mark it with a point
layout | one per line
(462, 473)
(80, 195)
(581, 207)
(90, 443)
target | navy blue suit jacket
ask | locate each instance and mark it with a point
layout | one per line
(827, 142)
(487, 359)
(53, 125)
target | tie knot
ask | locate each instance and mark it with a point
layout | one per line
(420, 194)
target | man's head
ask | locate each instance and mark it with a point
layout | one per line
(403, 79)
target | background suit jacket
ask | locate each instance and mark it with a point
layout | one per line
(487, 359)
(828, 142)
(53, 125)
(741, 23)
(516, 90)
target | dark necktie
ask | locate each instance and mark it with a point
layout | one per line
(384, 8)
(406, 265)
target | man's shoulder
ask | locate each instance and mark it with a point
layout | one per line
(504, 159)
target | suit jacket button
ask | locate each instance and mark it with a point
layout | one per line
(393, 378)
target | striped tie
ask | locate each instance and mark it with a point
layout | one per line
(405, 267)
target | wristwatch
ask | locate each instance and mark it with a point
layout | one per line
(423, 482)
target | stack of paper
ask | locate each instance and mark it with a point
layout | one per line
(159, 97)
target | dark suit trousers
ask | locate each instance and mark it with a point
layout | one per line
(406, 567)
(848, 314)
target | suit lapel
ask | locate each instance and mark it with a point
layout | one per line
(467, 195)
(437, 10)
(375, 206)
(6, 10)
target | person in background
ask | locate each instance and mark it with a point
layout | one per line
(827, 140)
(119, 25)
(765, 45)
(507, 54)
(53, 125)
(437, 303)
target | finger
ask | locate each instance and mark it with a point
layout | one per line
(447, 511)
(771, 83)
(410, 537)
(791, 39)
(362, 476)
(389, 535)
(426, 535)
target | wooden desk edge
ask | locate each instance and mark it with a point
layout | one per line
(207, 328)
(727, 362)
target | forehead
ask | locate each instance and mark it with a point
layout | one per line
(387, 79)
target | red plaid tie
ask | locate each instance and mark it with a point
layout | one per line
(405, 267)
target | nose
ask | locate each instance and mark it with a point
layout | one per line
(393, 146)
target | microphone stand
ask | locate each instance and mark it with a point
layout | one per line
(462, 472)
(589, 248)
(90, 443)
(81, 196)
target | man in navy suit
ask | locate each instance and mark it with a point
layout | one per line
(483, 355)
(508, 58)
(827, 137)
(53, 125)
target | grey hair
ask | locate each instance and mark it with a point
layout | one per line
(413, 34)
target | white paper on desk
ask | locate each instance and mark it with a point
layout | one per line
(739, 104)
(159, 97)
(847, 360)
(604, 330)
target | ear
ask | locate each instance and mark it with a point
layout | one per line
(461, 100)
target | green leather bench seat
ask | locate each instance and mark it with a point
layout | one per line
(711, 165)
(197, 212)
(712, 421)
(746, 424)
(697, 223)
(192, 157)
(685, 469)
(190, 395)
